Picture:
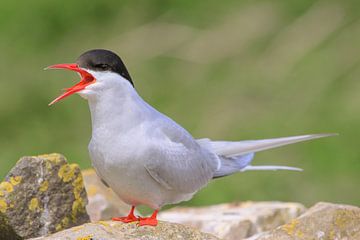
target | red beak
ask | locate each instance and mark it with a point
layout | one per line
(86, 80)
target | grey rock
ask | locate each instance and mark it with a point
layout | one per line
(42, 195)
(6, 231)
(324, 221)
(235, 221)
(110, 230)
(103, 202)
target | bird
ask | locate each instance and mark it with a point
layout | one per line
(144, 156)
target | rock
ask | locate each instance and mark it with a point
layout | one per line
(131, 231)
(321, 222)
(6, 231)
(235, 220)
(103, 202)
(41, 195)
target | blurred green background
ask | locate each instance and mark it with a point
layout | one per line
(231, 70)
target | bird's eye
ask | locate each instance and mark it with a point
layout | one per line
(102, 66)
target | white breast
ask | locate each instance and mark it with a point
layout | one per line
(122, 130)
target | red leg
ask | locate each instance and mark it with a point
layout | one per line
(130, 218)
(149, 221)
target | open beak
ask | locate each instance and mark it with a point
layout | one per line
(86, 80)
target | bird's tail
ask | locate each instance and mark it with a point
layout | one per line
(237, 156)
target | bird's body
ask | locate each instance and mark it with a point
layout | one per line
(143, 155)
(134, 148)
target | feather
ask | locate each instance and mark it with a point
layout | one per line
(231, 149)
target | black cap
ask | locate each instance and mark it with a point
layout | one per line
(103, 60)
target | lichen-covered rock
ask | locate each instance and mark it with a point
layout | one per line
(131, 231)
(42, 195)
(321, 222)
(103, 202)
(235, 221)
(6, 231)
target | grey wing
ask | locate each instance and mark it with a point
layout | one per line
(178, 162)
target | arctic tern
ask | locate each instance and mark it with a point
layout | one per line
(143, 155)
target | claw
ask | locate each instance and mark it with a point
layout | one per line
(128, 219)
(149, 221)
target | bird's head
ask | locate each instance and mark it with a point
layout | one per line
(98, 69)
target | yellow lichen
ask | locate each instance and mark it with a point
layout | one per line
(88, 237)
(79, 203)
(341, 219)
(3, 206)
(33, 204)
(332, 234)
(77, 228)
(65, 222)
(88, 172)
(48, 165)
(67, 172)
(91, 190)
(104, 223)
(78, 206)
(299, 234)
(15, 180)
(44, 186)
(6, 187)
(290, 227)
(54, 157)
(58, 227)
(78, 185)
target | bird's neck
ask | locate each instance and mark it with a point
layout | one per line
(119, 108)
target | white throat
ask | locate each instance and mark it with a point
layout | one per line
(114, 103)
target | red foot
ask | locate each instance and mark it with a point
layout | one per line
(150, 221)
(130, 218)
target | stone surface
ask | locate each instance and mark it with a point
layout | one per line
(103, 202)
(235, 220)
(321, 222)
(6, 231)
(42, 195)
(121, 231)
